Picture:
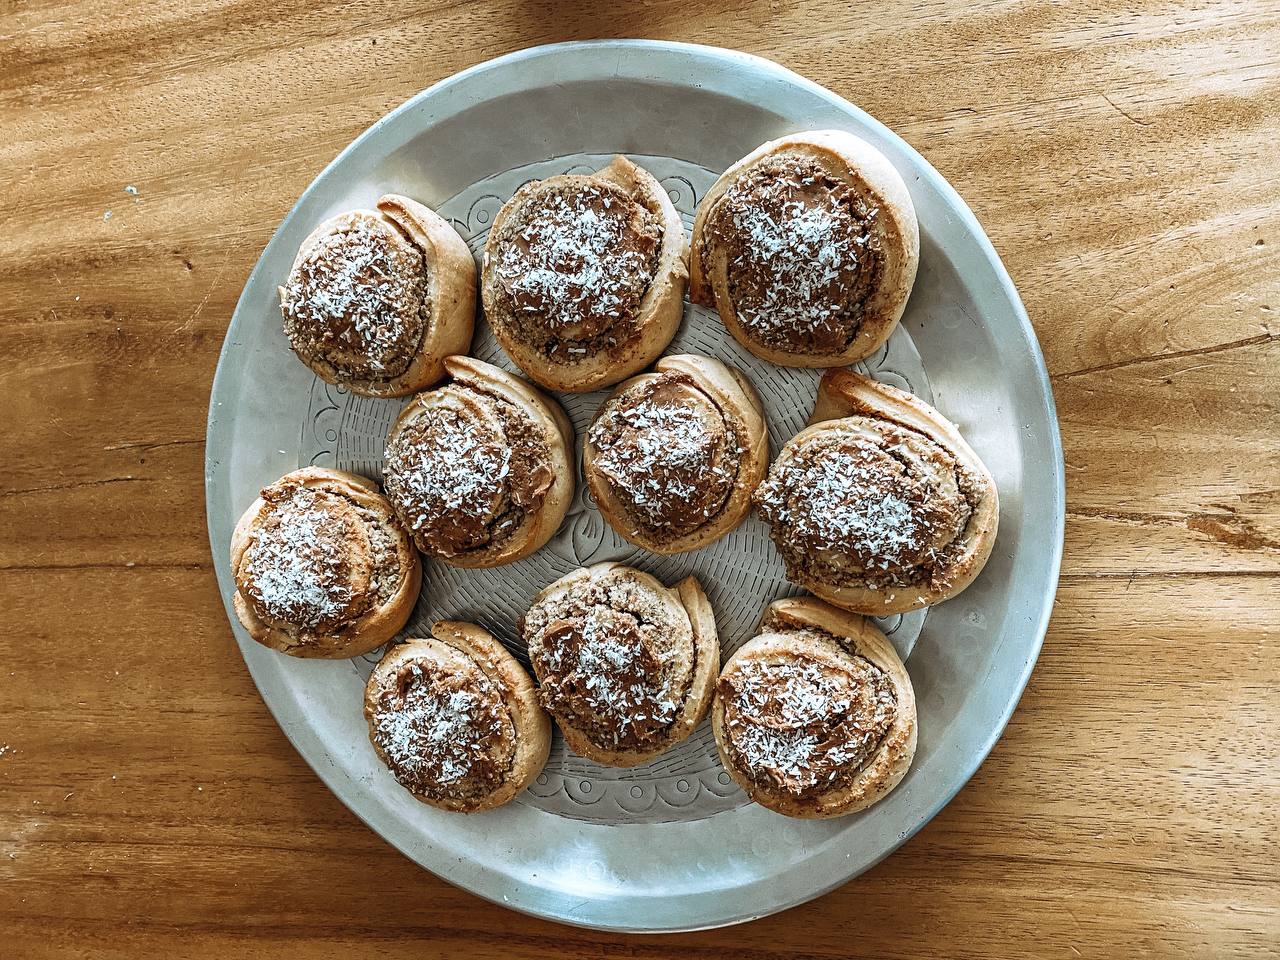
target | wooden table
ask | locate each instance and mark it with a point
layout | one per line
(1124, 164)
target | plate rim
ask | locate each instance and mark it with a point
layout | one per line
(983, 245)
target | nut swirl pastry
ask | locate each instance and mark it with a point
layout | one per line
(673, 456)
(815, 716)
(879, 506)
(456, 719)
(807, 247)
(322, 567)
(584, 276)
(478, 468)
(378, 298)
(626, 665)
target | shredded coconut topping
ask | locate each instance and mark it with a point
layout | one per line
(851, 507)
(573, 266)
(444, 729)
(856, 508)
(358, 300)
(307, 562)
(668, 453)
(803, 254)
(461, 469)
(464, 474)
(804, 726)
(612, 661)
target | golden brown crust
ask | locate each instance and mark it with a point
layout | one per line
(377, 620)
(650, 653)
(602, 358)
(893, 238)
(795, 633)
(632, 443)
(526, 725)
(706, 643)
(447, 295)
(510, 449)
(951, 523)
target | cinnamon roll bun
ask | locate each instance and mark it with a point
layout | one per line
(456, 720)
(673, 456)
(815, 716)
(584, 276)
(879, 506)
(625, 665)
(378, 298)
(807, 247)
(478, 468)
(322, 567)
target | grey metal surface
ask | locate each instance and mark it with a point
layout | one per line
(671, 845)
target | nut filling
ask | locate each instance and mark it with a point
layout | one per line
(317, 561)
(883, 507)
(668, 453)
(464, 476)
(444, 729)
(803, 255)
(802, 725)
(359, 301)
(612, 662)
(573, 268)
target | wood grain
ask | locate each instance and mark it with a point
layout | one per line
(1122, 158)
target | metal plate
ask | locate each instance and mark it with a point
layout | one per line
(669, 845)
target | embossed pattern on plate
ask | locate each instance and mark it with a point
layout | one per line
(741, 572)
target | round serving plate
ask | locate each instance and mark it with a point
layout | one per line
(673, 844)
